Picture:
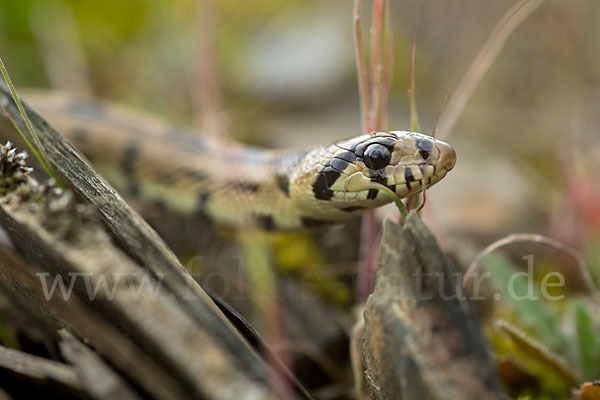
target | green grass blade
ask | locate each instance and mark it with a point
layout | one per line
(41, 155)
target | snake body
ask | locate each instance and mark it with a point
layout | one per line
(239, 185)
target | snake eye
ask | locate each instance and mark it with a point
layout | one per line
(377, 156)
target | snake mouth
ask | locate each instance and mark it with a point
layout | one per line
(403, 180)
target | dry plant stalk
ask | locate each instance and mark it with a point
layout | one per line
(482, 63)
(373, 84)
(541, 239)
(188, 302)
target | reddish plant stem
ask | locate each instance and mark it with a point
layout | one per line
(376, 65)
(388, 53)
(373, 88)
(363, 82)
(368, 252)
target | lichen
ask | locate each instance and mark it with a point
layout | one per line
(59, 211)
(13, 170)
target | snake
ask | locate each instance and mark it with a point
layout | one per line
(239, 185)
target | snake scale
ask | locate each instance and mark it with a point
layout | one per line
(239, 185)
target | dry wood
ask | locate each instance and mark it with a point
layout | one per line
(99, 380)
(172, 341)
(140, 242)
(422, 339)
(121, 351)
(40, 371)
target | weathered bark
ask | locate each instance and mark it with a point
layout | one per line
(173, 343)
(422, 339)
(53, 377)
(98, 378)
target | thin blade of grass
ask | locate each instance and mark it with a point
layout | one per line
(482, 63)
(376, 64)
(361, 64)
(537, 351)
(41, 155)
(414, 117)
(388, 55)
(587, 342)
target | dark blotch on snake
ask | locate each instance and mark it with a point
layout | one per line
(338, 164)
(195, 174)
(246, 186)
(425, 146)
(160, 205)
(321, 189)
(266, 222)
(313, 223)
(331, 174)
(283, 182)
(163, 177)
(325, 179)
(346, 156)
(130, 155)
(202, 201)
(408, 174)
(353, 208)
(378, 175)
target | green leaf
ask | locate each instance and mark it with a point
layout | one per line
(586, 341)
(523, 296)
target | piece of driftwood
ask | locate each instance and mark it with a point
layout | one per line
(422, 339)
(140, 242)
(51, 232)
(97, 377)
(108, 341)
(186, 346)
(51, 376)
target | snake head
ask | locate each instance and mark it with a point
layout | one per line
(404, 162)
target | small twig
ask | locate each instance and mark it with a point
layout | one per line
(481, 64)
(532, 237)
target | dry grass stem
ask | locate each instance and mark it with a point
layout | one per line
(363, 82)
(536, 238)
(482, 63)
